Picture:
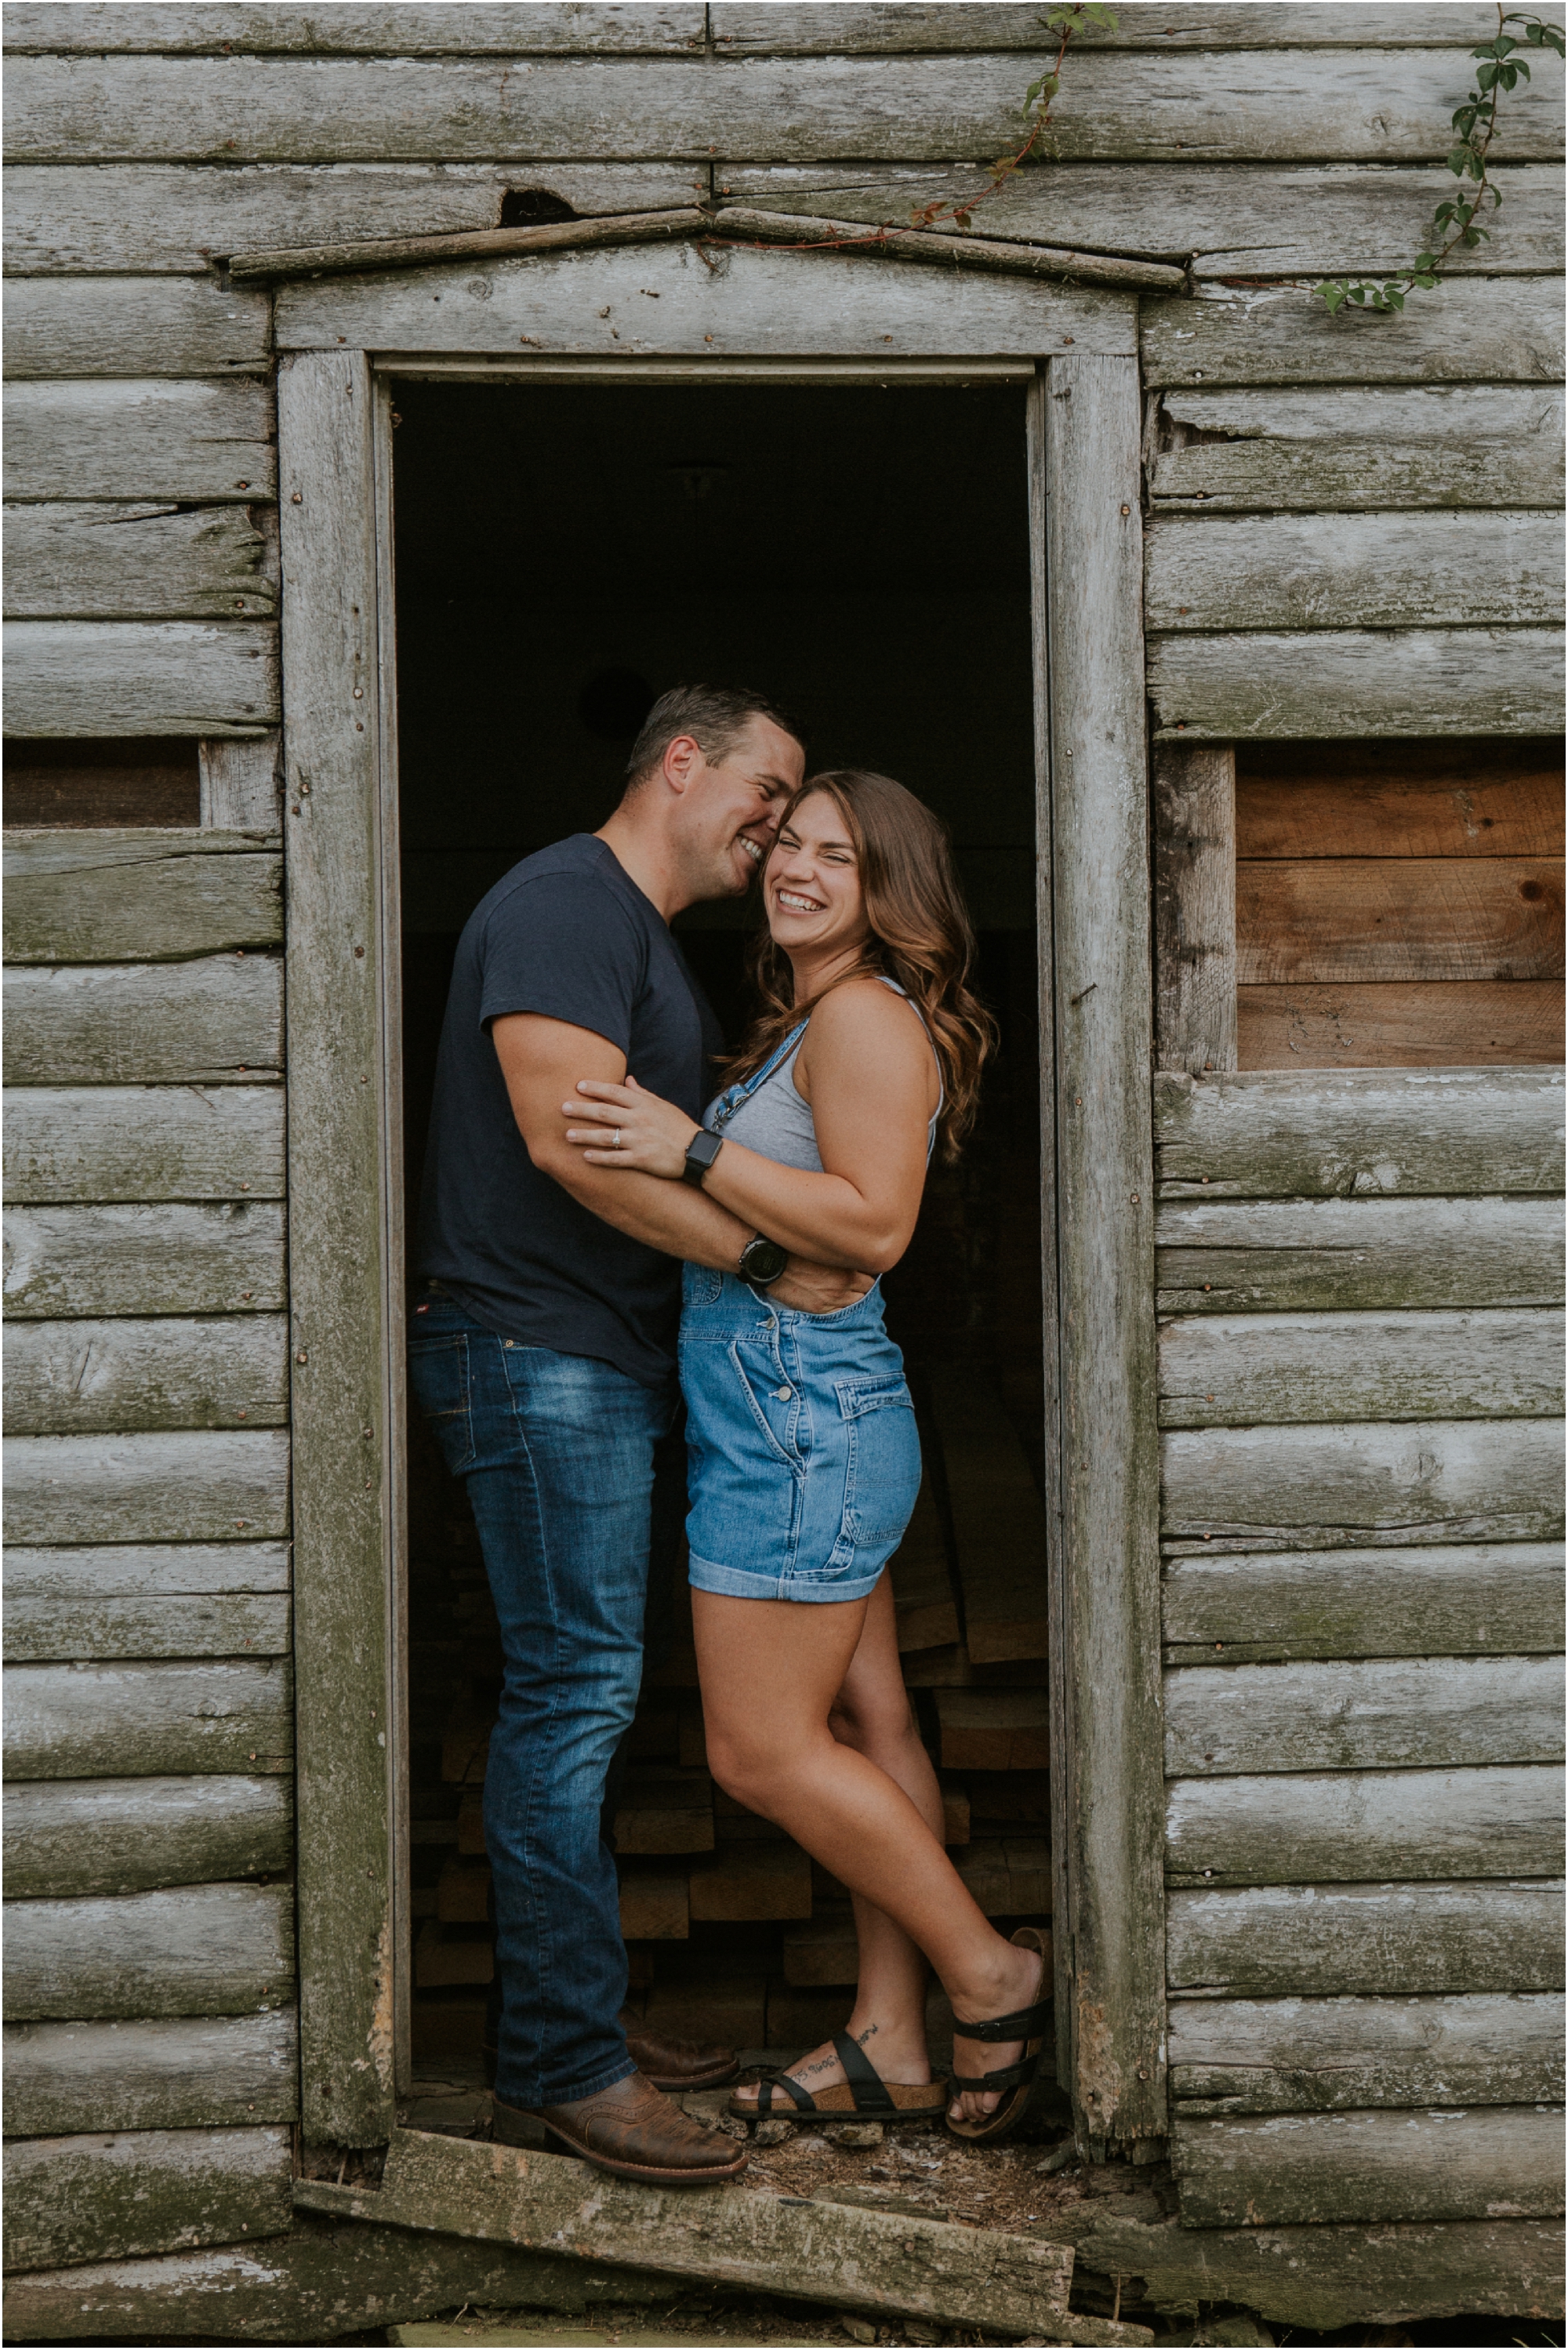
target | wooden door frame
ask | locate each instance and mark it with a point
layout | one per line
(345, 1166)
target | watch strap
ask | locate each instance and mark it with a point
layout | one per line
(701, 1153)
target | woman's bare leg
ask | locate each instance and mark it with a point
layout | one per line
(771, 1670)
(872, 1714)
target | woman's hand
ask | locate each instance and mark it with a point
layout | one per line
(630, 1128)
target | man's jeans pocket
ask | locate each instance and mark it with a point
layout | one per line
(440, 1376)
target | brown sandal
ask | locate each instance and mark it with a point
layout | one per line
(862, 2095)
(1025, 2023)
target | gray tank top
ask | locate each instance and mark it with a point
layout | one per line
(770, 1117)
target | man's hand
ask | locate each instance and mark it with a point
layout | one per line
(806, 1288)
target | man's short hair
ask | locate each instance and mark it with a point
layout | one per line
(716, 716)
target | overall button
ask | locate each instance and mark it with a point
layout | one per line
(783, 1395)
(770, 1324)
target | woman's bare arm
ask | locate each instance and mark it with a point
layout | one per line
(539, 1059)
(868, 1069)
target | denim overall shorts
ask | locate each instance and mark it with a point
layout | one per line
(803, 1459)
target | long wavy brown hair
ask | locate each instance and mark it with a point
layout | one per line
(921, 936)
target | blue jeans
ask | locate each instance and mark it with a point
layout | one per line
(557, 1452)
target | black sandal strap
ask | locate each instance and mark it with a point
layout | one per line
(1025, 2023)
(866, 2086)
(775, 2077)
(1007, 2076)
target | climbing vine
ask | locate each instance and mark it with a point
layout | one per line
(1064, 23)
(1455, 224)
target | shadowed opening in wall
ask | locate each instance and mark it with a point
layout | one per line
(859, 554)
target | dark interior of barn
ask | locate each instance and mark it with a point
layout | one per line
(860, 554)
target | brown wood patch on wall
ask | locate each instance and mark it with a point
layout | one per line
(1398, 904)
(138, 779)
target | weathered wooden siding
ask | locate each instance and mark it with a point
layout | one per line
(1352, 1749)
(1398, 1510)
(149, 1723)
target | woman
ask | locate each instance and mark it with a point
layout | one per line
(804, 1459)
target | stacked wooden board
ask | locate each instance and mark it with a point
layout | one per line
(729, 1922)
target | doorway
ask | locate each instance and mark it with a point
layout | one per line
(859, 554)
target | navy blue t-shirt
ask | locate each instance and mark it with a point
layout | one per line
(568, 934)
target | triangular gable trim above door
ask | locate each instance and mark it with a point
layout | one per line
(732, 225)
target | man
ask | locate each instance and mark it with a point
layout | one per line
(542, 1346)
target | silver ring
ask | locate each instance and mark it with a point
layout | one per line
(616, 1144)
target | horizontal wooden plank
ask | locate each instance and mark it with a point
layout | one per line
(1356, 1826)
(220, 1371)
(140, 2191)
(194, 440)
(184, 1486)
(1370, 1255)
(1271, 683)
(85, 561)
(1330, 2056)
(73, 1836)
(211, 1624)
(427, 28)
(131, 1259)
(1328, 1488)
(1398, 918)
(143, 1143)
(143, 677)
(1437, 1600)
(323, 2277)
(994, 1729)
(804, 27)
(136, 327)
(1347, 449)
(148, 1720)
(1278, 106)
(148, 217)
(760, 2242)
(1281, 1941)
(212, 1021)
(998, 1521)
(602, 303)
(1323, 2277)
(1365, 1714)
(76, 1573)
(1325, 570)
(318, 2279)
(1400, 799)
(1501, 2162)
(1400, 1024)
(1477, 330)
(128, 896)
(199, 1950)
(1219, 1370)
(169, 2072)
(1358, 1133)
(1234, 220)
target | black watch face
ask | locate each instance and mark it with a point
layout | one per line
(763, 1260)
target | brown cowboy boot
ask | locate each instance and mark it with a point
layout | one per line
(633, 2130)
(671, 2063)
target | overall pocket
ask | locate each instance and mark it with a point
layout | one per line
(440, 1377)
(882, 1470)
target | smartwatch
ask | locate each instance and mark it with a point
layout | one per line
(701, 1153)
(761, 1260)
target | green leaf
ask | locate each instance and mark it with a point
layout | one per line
(1423, 278)
(1396, 295)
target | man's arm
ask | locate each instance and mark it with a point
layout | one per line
(540, 1061)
